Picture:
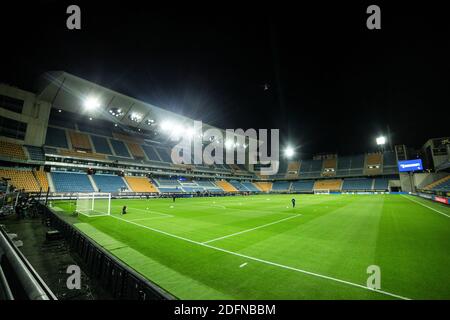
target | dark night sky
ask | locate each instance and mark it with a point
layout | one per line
(334, 85)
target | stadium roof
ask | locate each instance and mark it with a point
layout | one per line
(69, 93)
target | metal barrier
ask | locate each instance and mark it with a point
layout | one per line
(18, 279)
(116, 277)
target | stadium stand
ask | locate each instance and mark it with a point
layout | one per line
(56, 138)
(41, 177)
(280, 186)
(82, 154)
(71, 182)
(164, 154)
(136, 150)
(140, 184)
(119, 148)
(332, 185)
(263, 186)
(12, 150)
(151, 153)
(374, 164)
(302, 185)
(350, 165)
(238, 185)
(209, 185)
(168, 185)
(21, 179)
(357, 184)
(329, 167)
(310, 168)
(389, 162)
(101, 145)
(226, 186)
(109, 183)
(381, 184)
(80, 141)
(250, 186)
(293, 169)
(35, 153)
(442, 184)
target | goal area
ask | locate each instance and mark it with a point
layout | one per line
(321, 191)
(94, 204)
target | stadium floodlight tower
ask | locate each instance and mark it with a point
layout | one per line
(381, 141)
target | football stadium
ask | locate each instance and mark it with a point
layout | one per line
(220, 231)
(248, 156)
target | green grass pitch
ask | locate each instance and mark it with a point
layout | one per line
(259, 247)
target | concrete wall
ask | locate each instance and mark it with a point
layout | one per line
(35, 114)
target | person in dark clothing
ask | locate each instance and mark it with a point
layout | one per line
(293, 202)
(173, 198)
(124, 210)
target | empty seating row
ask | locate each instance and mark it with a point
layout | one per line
(109, 183)
(250, 186)
(332, 185)
(71, 182)
(281, 186)
(302, 185)
(36, 153)
(140, 184)
(263, 186)
(80, 141)
(381, 184)
(21, 179)
(238, 185)
(357, 184)
(12, 150)
(226, 186)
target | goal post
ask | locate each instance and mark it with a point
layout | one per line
(321, 191)
(94, 204)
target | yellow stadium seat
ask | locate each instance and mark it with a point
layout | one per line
(140, 184)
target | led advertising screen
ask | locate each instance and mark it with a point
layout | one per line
(410, 165)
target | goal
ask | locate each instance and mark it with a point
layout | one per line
(321, 191)
(94, 204)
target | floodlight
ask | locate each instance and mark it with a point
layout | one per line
(289, 152)
(166, 125)
(136, 117)
(91, 103)
(189, 131)
(381, 140)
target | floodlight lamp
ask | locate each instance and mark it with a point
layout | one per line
(289, 152)
(381, 140)
(166, 125)
(91, 103)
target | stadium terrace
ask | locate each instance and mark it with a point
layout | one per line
(98, 168)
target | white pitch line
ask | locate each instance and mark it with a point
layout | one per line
(243, 265)
(265, 261)
(152, 211)
(252, 229)
(431, 208)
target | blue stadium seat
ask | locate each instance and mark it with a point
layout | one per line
(444, 186)
(119, 148)
(71, 182)
(238, 185)
(56, 138)
(109, 183)
(250, 186)
(357, 184)
(303, 185)
(381, 184)
(36, 153)
(164, 154)
(151, 153)
(101, 145)
(281, 186)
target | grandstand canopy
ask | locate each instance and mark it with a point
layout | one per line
(69, 93)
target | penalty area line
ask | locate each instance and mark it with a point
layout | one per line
(266, 261)
(252, 229)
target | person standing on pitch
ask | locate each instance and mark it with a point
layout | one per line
(293, 202)
(124, 210)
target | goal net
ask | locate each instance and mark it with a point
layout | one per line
(94, 204)
(321, 191)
